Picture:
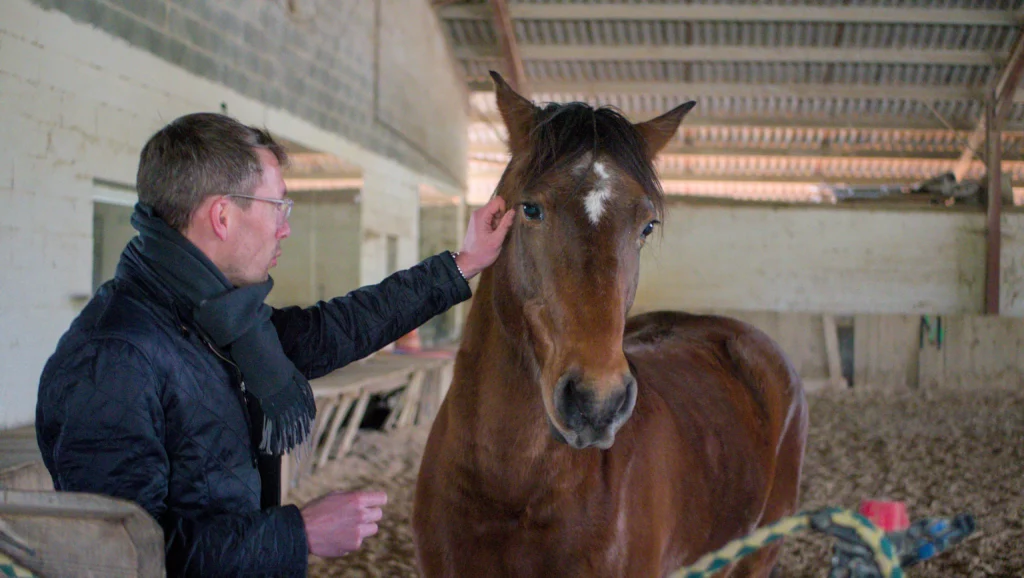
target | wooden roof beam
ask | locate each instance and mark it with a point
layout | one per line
(516, 74)
(688, 165)
(698, 12)
(778, 150)
(881, 123)
(1005, 92)
(766, 179)
(683, 91)
(711, 53)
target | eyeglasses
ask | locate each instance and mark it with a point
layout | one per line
(284, 206)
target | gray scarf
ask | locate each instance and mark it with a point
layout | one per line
(238, 322)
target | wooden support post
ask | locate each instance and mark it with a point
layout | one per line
(286, 474)
(835, 364)
(993, 245)
(341, 411)
(413, 392)
(509, 47)
(353, 425)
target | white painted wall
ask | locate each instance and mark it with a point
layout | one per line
(390, 206)
(818, 259)
(320, 260)
(78, 104)
(778, 267)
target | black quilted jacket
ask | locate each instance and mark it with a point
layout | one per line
(134, 404)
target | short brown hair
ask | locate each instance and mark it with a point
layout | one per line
(197, 156)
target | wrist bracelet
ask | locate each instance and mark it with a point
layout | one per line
(455, 254)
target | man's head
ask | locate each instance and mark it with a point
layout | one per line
(216, 181)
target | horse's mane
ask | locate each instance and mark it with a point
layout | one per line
(566, 132)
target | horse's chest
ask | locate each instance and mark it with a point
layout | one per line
(564, 539)
(537, 516)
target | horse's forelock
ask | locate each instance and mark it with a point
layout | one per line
(566, 133)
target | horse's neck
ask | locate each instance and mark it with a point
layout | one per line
(496, 400)
(492, 374)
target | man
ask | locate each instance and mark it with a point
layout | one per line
(178, 388)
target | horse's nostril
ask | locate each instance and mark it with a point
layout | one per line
(622, 404)
(623, 400)
(580, 410)
(569, 402)
(628, 397)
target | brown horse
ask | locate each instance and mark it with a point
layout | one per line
(575, 442)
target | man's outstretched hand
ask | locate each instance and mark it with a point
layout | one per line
(337, 523)
(488, 226)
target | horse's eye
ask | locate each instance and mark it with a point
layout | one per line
(532, 212)
(648, 229)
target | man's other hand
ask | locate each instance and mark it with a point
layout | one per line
(337, 523)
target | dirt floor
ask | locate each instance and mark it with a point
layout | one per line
(941, 453)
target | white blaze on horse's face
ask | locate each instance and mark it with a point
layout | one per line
(595, 199)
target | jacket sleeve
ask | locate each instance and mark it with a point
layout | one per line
(331, 334)
(101, 430)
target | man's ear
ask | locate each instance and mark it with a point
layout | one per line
(219, 215)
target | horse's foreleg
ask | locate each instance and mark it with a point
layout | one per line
(783, 497)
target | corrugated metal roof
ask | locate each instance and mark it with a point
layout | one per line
(924, 143)
(891, 92)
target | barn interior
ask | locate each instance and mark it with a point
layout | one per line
(850, 181)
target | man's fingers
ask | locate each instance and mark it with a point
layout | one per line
(372, 515)
(367, 530)
(491, 220)
(371, 499)
(506, 221)
(492, 210)
(495, 205)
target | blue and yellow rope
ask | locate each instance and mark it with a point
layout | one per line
(8, 569)
(885, 556)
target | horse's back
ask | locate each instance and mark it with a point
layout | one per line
(739, 407)
(685, 354)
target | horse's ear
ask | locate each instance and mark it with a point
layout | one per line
(659, 131)
(518, 113)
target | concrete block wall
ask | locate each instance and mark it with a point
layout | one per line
(388, 207)
(338, 231)
(356, 68)
(79, 99)
(440, 231)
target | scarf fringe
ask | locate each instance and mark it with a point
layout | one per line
(287, 425)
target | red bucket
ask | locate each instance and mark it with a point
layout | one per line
(889, 516)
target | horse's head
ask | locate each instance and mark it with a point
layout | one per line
(582, 181)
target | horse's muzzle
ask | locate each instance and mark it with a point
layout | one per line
(591, 419)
